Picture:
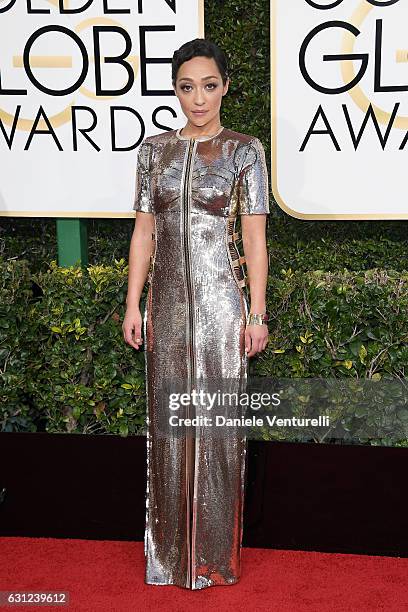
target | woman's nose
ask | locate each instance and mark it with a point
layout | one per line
(199, 97)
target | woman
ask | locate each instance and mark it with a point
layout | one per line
(191, 185)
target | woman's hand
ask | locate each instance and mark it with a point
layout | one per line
(132, 327)
(256, 339)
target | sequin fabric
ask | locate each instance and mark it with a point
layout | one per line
(194, 327)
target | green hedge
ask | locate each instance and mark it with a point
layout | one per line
(66, 368)
(15, 348)
(64, 364)
(350, 324)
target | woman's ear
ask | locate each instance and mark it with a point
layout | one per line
(227, 82)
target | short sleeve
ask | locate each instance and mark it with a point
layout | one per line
(253, 181)
(143, 193)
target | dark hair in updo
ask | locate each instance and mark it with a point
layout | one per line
(199, 47)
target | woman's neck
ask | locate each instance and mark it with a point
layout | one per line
(194, 131)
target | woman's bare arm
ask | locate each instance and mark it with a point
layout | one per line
(256, 257)
(141, 248)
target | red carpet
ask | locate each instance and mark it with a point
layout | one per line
(110, 576)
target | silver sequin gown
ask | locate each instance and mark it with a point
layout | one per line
(194, 325)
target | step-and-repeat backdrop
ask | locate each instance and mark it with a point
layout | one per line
(81, 84)
(339, 91)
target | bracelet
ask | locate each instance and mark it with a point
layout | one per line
(258, 319)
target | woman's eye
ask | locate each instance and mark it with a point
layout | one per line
(211, 87)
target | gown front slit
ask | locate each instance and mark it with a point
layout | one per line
(194, 329)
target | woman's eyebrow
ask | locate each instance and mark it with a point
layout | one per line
(212, 76)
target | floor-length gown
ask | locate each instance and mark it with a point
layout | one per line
(194, 326)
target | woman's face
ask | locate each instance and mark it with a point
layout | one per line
(200, 89)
